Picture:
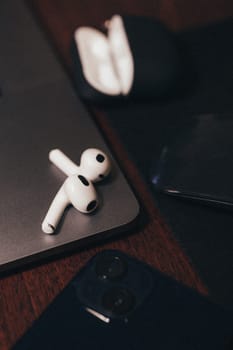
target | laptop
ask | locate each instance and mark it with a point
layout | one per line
(40, 111)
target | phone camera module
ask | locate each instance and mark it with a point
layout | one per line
(118, 301)
(110, 267)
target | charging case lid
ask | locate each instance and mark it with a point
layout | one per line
(138, 57)
(106, 62)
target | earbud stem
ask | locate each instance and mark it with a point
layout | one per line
(64, 163)
(56, 209)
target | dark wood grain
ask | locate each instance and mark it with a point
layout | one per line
(25, 294)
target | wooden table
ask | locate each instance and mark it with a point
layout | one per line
(26, 293)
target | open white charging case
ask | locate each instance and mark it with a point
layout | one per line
(137, 57)
(107, 61)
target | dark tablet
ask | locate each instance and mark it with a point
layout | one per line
(198, 163)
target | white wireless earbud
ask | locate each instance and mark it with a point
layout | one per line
(77, 189)
(94, 164)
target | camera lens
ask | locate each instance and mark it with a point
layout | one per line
(110, 267)
(119, 301)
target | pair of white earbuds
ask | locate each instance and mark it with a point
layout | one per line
(78, 188)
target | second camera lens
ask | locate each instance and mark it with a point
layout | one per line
(118, 300)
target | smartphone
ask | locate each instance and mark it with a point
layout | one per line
(117, 302)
